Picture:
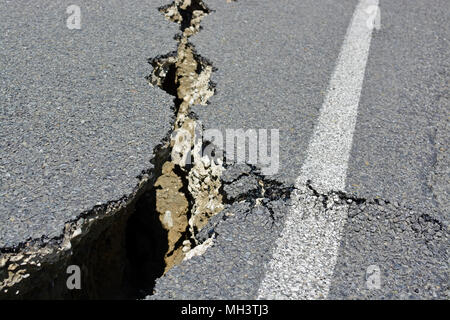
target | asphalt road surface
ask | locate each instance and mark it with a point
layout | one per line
(78, 119)
(277, 66)
(358, 91)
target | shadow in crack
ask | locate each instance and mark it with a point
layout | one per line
(146, 246)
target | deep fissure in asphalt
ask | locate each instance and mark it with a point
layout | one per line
(121, 247)
(188, 190)
(185, 75)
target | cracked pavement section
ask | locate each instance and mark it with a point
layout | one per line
(79, 130)
(241, 240)
(79, 126)
(188, 191)
(274, 61)
(231, 267)
(238, 242)
(79, 121)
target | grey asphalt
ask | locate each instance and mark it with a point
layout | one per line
(228, 270)
(78, 120)
(274, 60)
(400, 153)
(402, 133)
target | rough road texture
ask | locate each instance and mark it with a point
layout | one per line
(273, 61)
(79, 121)
(242, 236)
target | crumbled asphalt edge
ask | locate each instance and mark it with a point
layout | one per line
(168, 70)
(47, 256)
(95, 240)
(238, 242)
(227, 262)
(187, 192)
(254, 190)
(127, 240)
(248, 186)
(245, 184)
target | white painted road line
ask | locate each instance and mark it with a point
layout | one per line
(305, 255)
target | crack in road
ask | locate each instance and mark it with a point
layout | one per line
(124, 245)
(167, 220)
(187, 193)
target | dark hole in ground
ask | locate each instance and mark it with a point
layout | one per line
(168, 83)
(146, 246)
(120, 255)
(187, 14)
